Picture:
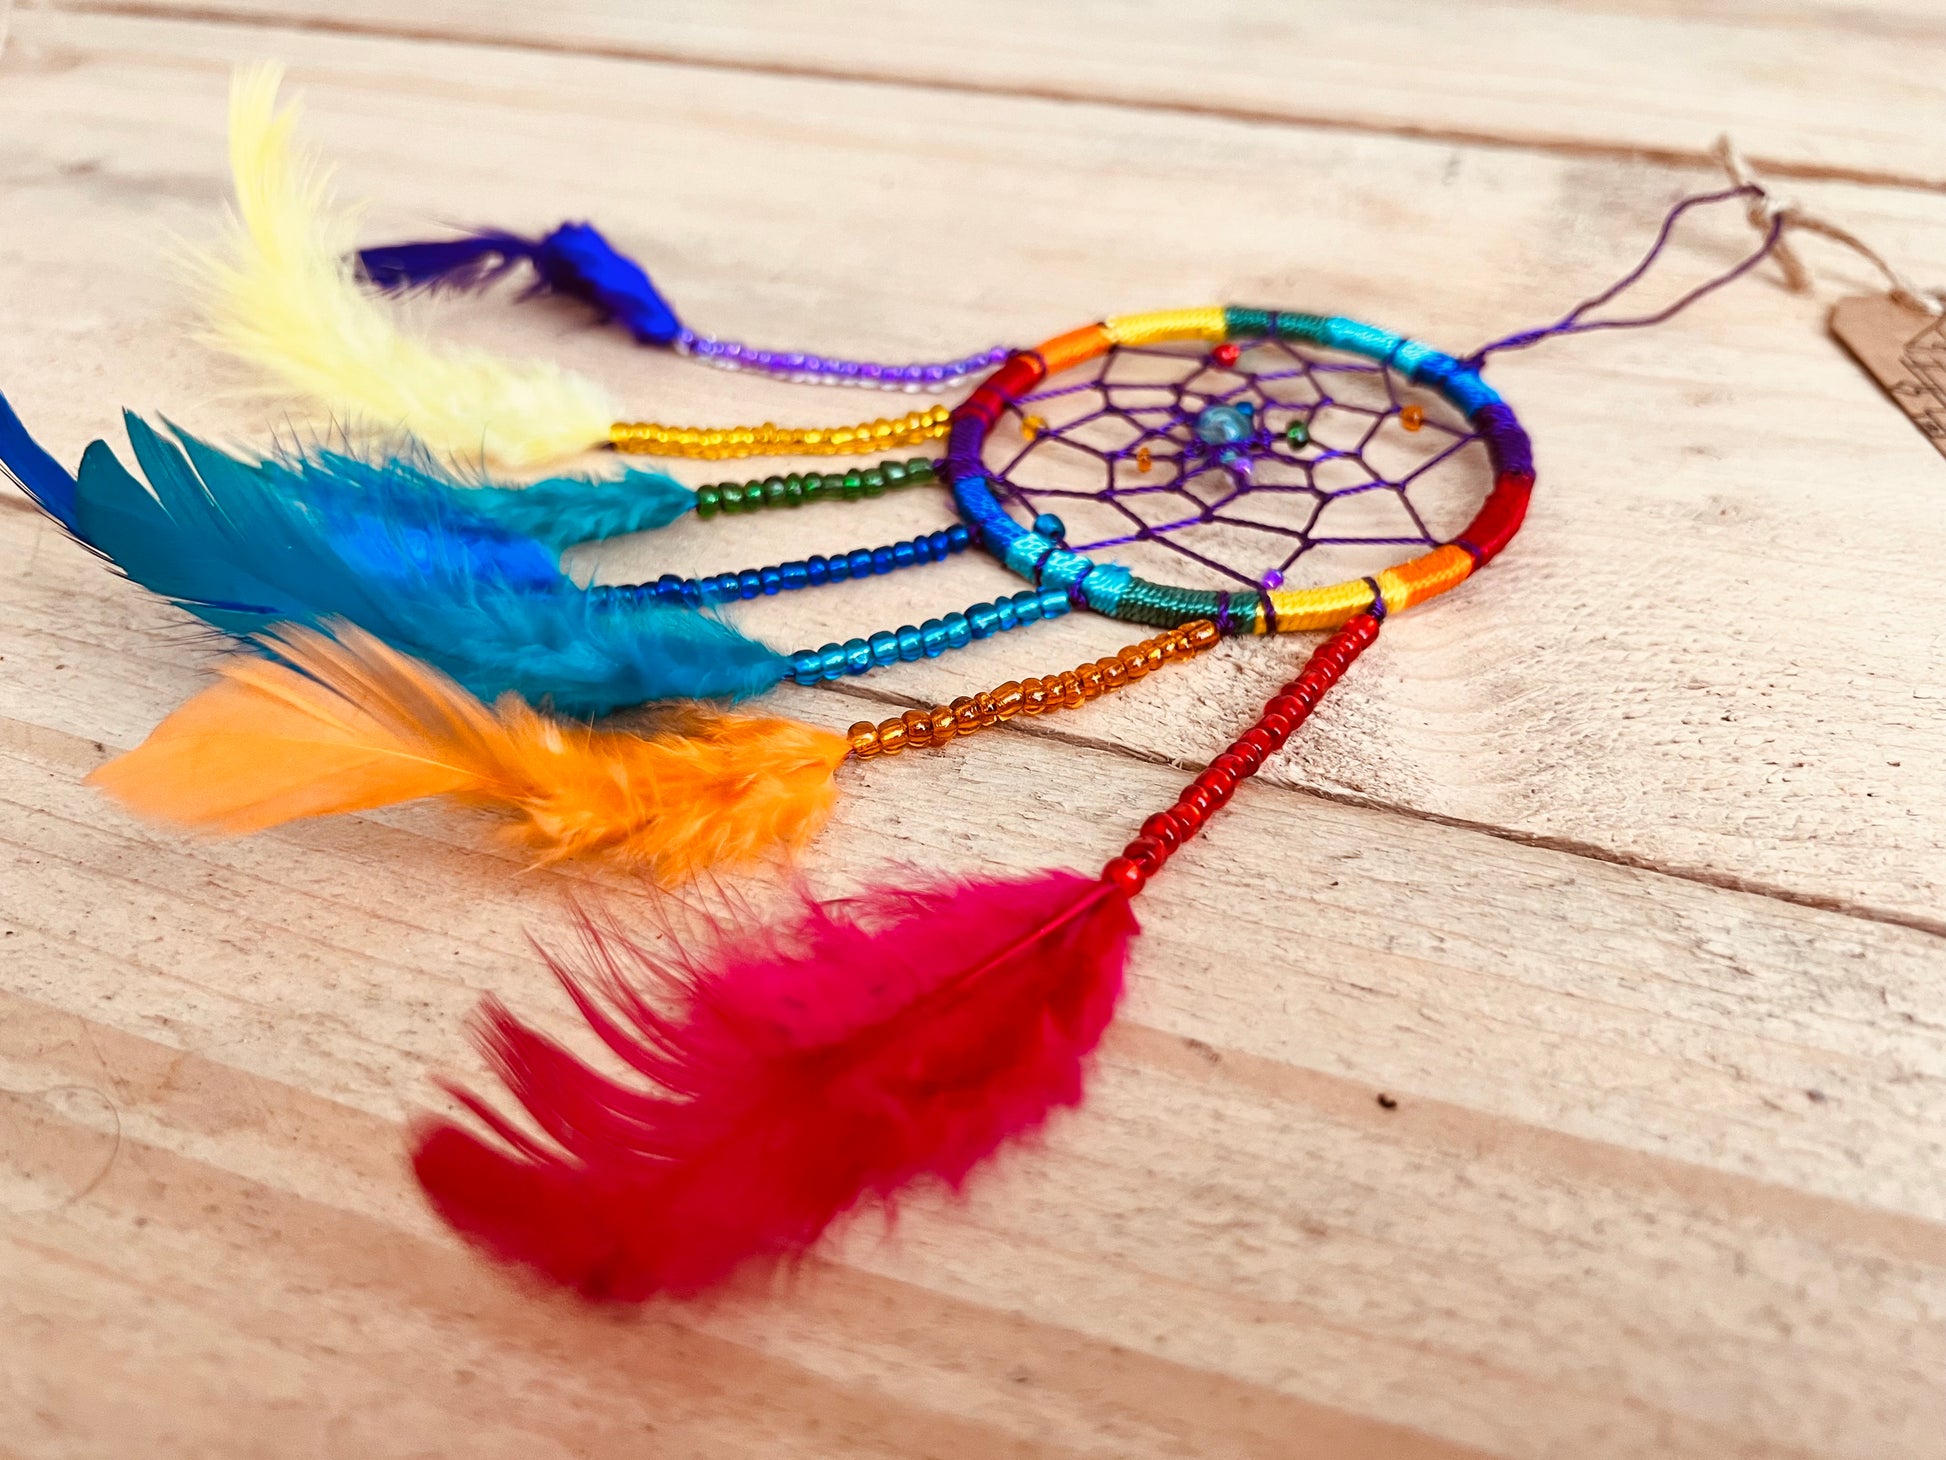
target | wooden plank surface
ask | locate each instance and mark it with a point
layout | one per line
(1813, 89)
(1618, 873)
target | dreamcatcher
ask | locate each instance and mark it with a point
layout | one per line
(1303, 472)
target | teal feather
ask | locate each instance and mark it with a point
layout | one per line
(234, 544)
(559, 512)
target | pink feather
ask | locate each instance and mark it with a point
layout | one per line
(900, 1034)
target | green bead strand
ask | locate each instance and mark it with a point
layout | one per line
(760, 494)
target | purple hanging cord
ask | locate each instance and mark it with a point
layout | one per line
(575, 260)
(1574, 321)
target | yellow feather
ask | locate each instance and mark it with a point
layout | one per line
(285, 299)
(346, 724)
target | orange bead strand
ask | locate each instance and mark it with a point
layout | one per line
(1035, 696)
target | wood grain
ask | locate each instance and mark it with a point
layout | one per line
(1653, 624)
(1811, 89)
(1618, 874)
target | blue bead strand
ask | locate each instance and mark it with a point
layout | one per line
(931, 547)
(929, 640)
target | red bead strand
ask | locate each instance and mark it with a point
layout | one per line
(1166, 831)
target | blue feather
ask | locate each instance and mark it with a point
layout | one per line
(234, 545)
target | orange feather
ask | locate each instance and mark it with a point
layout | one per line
(344, 723)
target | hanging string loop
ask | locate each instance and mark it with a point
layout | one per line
(1773, 217)
(1767, 206)
(1576, 321)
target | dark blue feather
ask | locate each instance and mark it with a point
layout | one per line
(242, 550)
(574, 260)
(39, 475)
(468, 262)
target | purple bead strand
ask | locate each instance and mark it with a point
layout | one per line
(822, 370)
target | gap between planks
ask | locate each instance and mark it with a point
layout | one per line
(1557, 145)
(1429, 1125)
(1057, 731)
(18, 733)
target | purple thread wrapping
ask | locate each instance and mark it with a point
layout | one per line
(963, 448)
(1377, 610)
(1270, 610)
(1508, 445)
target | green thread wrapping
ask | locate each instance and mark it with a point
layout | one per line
(1245, 324)
(1158, 606)
(1311, 328)
(1262, 324)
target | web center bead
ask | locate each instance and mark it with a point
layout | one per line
(1229, 434)
(1225, 425)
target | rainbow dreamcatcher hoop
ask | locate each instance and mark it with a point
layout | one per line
(1279, 432)
(1315, 472)
(1288, 407)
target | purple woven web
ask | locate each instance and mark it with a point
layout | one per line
(1354, 487)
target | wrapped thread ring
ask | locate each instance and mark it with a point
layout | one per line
(1226, 432)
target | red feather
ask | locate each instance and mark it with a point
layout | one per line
(900, 1034)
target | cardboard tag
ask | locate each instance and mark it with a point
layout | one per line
(1905, 351)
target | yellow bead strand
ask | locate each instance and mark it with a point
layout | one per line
(648, 438)
(1069, 690)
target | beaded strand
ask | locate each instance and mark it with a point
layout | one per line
(650, 438)
(811, 572)
(1070, 690)
(794, 490)
(928, 641)
(805, 368)
(1166, 831)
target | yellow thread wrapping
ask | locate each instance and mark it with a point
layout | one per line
(1317, 608)
(1424, 577)
(716, 443)
(1167, 324)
